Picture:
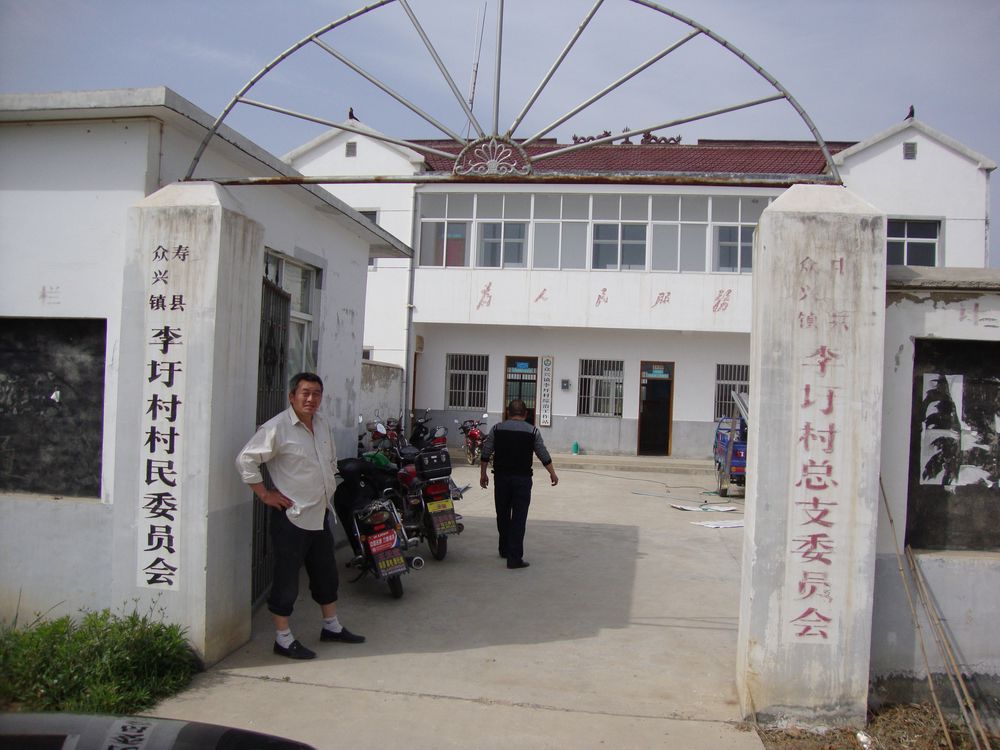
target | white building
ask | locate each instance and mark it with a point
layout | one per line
(619, 312)
(136, 356)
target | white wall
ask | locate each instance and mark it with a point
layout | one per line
(695, 357)
(963, 584)
(65, 191)
(388, 279)
(940, 183)
(293, 226)
(587, 299)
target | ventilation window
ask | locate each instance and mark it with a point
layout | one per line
(352, 149)
(910, 150)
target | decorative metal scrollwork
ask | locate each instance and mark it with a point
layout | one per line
(492, 157)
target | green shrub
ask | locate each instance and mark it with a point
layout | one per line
(102, 663)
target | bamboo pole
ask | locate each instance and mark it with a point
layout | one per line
(916, 619)
(965, 702)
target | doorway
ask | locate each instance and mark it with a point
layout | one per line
(521, 381)
(656, 391)
(272, 399)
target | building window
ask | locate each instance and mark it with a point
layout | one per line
(733, 249)
(351, 149)
(600, 388)
(466, 377)
(372, 216)
(619, 246)
(502, 244)
(911, 242)
(444, 244)
(729, 378)
(621, 232)
(301, 282)
(910, 150)
(52, 405)
(605, 247)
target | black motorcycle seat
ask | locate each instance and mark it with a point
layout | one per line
(408, 454)
(352, 469)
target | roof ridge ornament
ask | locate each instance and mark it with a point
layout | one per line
(493, 156)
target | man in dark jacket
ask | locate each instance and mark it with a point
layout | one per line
(512, 445)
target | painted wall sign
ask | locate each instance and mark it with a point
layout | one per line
(161, 504)
(815, 518)
(544, 410)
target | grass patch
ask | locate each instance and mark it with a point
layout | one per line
(101, 662)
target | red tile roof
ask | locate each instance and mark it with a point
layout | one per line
(714, 157)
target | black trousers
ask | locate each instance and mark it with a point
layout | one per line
(293, 548)
(512, 496)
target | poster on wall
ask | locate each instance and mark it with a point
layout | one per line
(959, 425)
(544, 411)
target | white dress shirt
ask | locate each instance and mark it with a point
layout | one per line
(302, 465)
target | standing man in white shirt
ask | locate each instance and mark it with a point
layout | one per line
(297, 446)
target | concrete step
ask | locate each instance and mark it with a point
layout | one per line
(665, 464)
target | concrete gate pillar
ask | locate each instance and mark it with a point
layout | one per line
(187, 384)
(812, 479)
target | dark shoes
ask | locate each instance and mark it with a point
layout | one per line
(515, 564)
(295, 651)
(344, 636)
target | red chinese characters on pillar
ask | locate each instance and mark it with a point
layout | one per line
(812, 551)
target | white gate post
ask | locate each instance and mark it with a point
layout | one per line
(812, 479)
(188, 365)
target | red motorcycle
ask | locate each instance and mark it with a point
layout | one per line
(473, 437)
(428, 497)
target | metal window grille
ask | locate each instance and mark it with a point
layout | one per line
(466, 378)
(727, 379)
(600, 388)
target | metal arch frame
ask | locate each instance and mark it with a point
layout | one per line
(495, 142)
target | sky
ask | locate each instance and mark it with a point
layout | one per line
(854, 66)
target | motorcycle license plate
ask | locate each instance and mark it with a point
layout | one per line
(439, 505)
(382, 541)
(389, 563)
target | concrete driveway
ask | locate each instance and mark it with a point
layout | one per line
(621, 634)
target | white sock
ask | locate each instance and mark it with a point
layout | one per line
(284, 638)
(332, 624)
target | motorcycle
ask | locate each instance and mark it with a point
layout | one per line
(473, 437)
(423, 437)
(394, 431)
(366, 505)
(428, 497)
(380, 439)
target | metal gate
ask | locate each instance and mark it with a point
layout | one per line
(272, 398)
(521, 381)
